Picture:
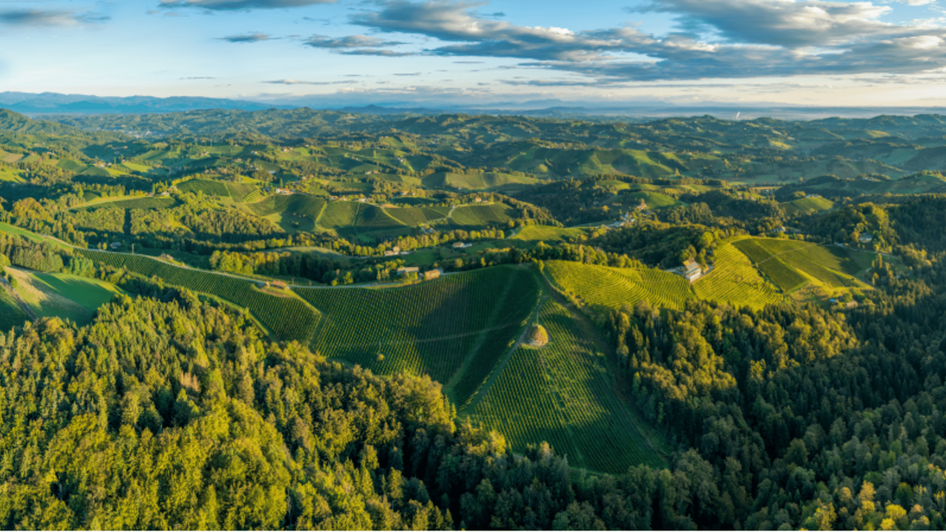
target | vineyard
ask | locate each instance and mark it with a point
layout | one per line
(429, 328)
(409, 216)
(295, 205)
(562, 393)
(601, 286)
(833, 266)
(207, 186)
(339, 214)
(783, 275)
(288, 318)
(482, 215)
(733, 280)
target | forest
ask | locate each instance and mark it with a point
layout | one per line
(263, 299)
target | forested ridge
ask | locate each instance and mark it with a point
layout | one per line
(170, 412)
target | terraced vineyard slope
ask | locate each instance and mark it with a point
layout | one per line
(734, 281)
(562, 393)
(287, 317)
(603, 288)
(430, 328)
(794, 263)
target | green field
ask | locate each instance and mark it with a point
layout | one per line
(654, 200)
(807, 205)
(603, 288)
(295, 212)
(29, 235)
(477, 180)
(482, 215)
(9, 174)
(548, 234)
(288, 318)
(562, 393)
(429, 328)
(10, 313)
(90, 293)
(791, 264)
(63, 295)
(734, 281)
(206, 186)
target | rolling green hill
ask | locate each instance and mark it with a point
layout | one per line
(562, 394)
(63, 295)
(436, 328)
(548, 234)
(10, 313)
(733, 280)
(807, 205)
(285, 316)
(477, 180)
(603, 288)
(482, 215)
(791, 264)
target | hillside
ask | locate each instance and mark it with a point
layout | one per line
(331, 320)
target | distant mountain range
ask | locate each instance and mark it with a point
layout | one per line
(49, 103)
(54, 103)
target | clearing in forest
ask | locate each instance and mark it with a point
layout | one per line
(63, 295)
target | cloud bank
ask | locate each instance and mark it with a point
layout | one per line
(717, 39)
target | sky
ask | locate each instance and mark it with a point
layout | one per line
(424, 52)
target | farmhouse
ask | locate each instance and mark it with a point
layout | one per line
(115, 245)
(460, 245)
(279, 284)
(642, 206)
(692, 270)
(865, 238)
(404, 270)
(431, 275)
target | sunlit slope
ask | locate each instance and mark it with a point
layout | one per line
(429, 328)
(791, 264)
(734, 281)
(284, 315)
(562, 394)
(604, 288)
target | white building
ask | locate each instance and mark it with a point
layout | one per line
(692, 270)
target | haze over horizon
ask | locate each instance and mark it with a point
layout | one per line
(882, 53)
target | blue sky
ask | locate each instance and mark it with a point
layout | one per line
(804, 52)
